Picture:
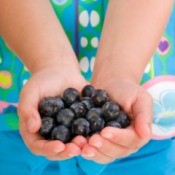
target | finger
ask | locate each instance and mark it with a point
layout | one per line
(124, 137)
(28, 108)
(70, 151)
(91, 153)
(80, 141)
(38, 145)
(142, 112)
(30, 116)
(108, 148)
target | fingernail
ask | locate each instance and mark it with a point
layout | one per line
(97, 144)
(88, 155)
(57, 150)
(31, 124)
(108, 135)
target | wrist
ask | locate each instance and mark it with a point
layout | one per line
(110, 73)
(66, 62)
(59, 78)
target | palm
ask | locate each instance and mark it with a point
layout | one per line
(46, 83)
(114, 143)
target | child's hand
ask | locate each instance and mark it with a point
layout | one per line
(113, 143)
(48, 82)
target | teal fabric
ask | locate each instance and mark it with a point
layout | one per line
(155, 158)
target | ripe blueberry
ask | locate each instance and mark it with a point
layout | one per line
(94, 112)
(70, 96)
(80, 126)
(114, 124)
(61, 133)
(79, 109)
(47, 124)
(109, 111)
(123, 119)
(100, 97)
(96, 124)
(87, 101)
(65, 117)
(88, 91)
(49, 106)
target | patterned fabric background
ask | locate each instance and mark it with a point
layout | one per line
(82, 21)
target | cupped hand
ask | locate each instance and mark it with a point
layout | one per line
(113, 143)
(47, 82)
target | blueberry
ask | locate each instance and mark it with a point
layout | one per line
(61, 133)
(109, 111)
(123, 119)
(100, 97)
(96, 124)
(114, 124)
(49, 106)
(47, 125)
(65, 117)
(94, 112)
(88, 91)
(70, 96)
(87, 101)
(80, 126)
(79, 109)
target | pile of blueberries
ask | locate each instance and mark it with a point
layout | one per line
(84, 114)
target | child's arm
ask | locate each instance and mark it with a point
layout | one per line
(131, 33)
(32, 31)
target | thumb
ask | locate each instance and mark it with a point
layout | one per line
(142, 110)
(28, 109)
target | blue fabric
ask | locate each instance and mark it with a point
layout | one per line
(156, 158)
(16, 159)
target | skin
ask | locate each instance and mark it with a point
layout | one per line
(32, 31)
(135, 28)
(36, 36)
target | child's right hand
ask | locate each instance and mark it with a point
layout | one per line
(47, 82)
(113, 143)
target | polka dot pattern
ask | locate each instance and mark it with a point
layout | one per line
(84, 64)
(84, 18)
(92, 63)
(5, 79)
(94, 42)
(90, 27)
(94, 18)
(84, 42)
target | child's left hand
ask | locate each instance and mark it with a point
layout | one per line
(113, 143)
(49, 81)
